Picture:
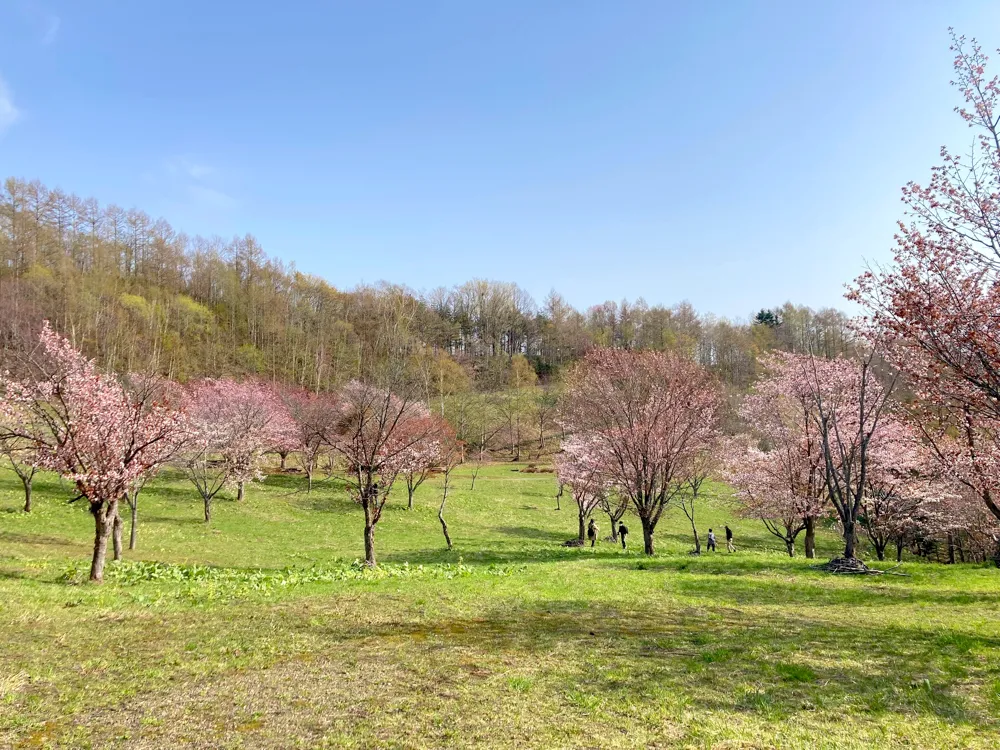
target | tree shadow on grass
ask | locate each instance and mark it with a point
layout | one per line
(474, 554)
(10, 537)
(775, 669)
(531, 532)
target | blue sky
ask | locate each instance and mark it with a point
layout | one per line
(734, 154)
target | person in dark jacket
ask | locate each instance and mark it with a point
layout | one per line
(592, 532)
(729, 540)
(622, 533)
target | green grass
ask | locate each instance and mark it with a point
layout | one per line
(260, 631)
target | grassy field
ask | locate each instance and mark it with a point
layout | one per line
(259, 631)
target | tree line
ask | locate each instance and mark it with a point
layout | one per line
(129, 290)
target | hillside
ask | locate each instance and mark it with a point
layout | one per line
(135, 292)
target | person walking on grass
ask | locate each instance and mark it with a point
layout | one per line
(729, 540)
(622, 533)
(592, 532)
(711, 540)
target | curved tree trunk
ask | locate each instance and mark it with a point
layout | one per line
(208, 509)
(810, 524)
(697, 541)
(116, 535)
(790, 546)
(444, 528)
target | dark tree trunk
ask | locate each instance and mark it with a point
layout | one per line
(880, 549)
(284, 457)
(241, 492)
(116, 535)
(614, 529)
(444, 526)
(850, 540)
(26, 481)
(899, 549)
(961, 548)
(951, 549)
(647, 536)
(559, 497)
(790, 547)
(369, 533)
(208, 509)
(133, 534)
(104, 513)
(582, 532)
(697, 542)
(810, 538)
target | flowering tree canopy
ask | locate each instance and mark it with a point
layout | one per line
(933, 312)
(783, 484)
(645, 416)
(579, 467)
(379, 435)
(314, 416)
(91, 429)
(232, 425)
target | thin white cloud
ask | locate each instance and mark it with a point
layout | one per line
(9, 114)
(211, 198)
(52, 23)
(182, 166)
(198, 182)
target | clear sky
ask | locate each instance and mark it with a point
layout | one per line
(734, 154)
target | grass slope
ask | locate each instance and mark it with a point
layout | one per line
(258, 631)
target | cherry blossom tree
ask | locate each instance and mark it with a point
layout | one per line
(852, 413)
(433, 442)
(22, 455)
(97, 434)
(903, 491)
(579, 467)
(783, 485)
(645, 417)
(933, 311)
(766, 493)
(314, 416)
(375, 435)
(232, 426)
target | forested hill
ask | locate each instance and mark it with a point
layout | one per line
(134, 292)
